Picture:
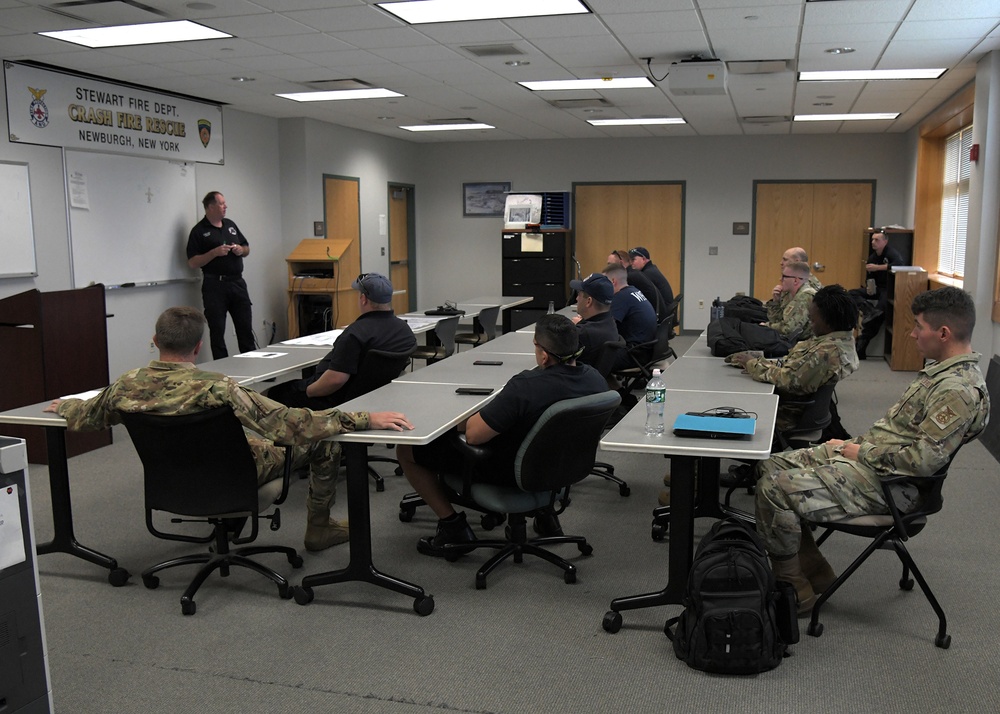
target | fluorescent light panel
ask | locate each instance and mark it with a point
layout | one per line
(599, 83)
(150, 33)
(635, 122)
(423, 11)
(869, 74)
(446, 127)
(846, 117)
(338, 94)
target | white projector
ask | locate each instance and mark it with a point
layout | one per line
(690, 78)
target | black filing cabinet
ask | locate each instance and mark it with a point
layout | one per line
(544, 274)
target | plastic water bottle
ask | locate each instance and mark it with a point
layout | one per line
(656, 392)
(720, 311)
(552, 307)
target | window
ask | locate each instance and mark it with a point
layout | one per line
(955, 203)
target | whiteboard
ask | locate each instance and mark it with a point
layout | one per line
(17, 237)
(129, 218)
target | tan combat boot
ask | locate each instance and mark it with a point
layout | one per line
(790, 570)
(323, 532)
(814, 565)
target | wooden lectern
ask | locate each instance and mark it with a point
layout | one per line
(52, 344)
(323, 267)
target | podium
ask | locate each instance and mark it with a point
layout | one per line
(324, 267)
(52, 344)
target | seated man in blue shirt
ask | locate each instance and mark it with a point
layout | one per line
(376, 328)
(503, 423)
(634, 314)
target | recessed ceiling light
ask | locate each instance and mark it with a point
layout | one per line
(846, 117)
(335, 95)
(446, 127)
(839, 50)
(636, 122)
(599, 83)
(149, 33)
(868, 74)
(419, 12)
(243, 79)
(751, 18)
(385, 118)
(822, 104)
(517, 63)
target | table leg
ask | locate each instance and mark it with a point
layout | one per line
(360, 566)
(63, 540)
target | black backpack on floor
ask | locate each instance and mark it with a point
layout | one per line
(737, 619)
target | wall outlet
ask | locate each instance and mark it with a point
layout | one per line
(701, 304)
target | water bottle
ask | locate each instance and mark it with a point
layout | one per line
(552, 307)
(720, 311)
(656, 392)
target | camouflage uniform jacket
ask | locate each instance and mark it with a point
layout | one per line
(945, 406)
(176, 388)
(791, 314)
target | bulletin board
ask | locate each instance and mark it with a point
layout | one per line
(17, 237)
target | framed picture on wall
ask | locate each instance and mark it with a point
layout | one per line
(484, 199)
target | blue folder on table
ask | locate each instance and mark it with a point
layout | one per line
(714, 427)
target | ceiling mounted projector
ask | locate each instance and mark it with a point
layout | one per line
(697, 77)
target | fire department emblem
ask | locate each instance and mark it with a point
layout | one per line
(204, 131)
(38, 111)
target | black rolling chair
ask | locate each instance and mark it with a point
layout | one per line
(200, 465)
(647, 355)
(444, 333)
(484, 328)
(911, 499)
(558, 452)
(607, 357)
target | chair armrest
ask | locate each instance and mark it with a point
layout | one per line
(286, 478)
(472, 454)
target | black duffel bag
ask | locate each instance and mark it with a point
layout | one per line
(730, 335)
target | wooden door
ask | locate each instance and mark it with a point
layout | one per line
(342, 213)
(601, 224)
(826, 219)
(400, 267)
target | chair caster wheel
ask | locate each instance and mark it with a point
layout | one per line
(906, 584)
(586, 548)
(295, 561)
(118, 577)
(424, 606)
(285, 591)
(658, 532)
(624, 491)
(406, 514)
(569, 577)
(380, 486)
(188, 607)
(491, 521)
(151, 582)
(303, 596)
(612, 621)
(944, 642)
(815, 629)
(480, 582)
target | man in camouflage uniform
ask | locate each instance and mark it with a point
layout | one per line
(173, 385)
(827, 357)
(946, 406)
(788, 313)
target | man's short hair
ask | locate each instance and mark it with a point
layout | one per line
(798, 268)
(210, 198)
(798, 254)
(947, 306)
(179, 330)
(836, 308)
(621, 254)
(558, 336)
(616, 272)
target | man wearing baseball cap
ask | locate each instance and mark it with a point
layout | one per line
(641, 262)
(593, 319)
(376, 328)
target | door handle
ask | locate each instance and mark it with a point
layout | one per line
(818, 267)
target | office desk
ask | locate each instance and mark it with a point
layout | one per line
(700, 348)
(689, 458)
(568, 311)
(432, 409)
(702, 375)
(514, 343)
(250, 370)
(63, 539)
(460, 370)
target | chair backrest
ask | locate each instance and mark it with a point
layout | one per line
(607, 357)
(377, 369)
(445, 331)
(486, 321)
(816, 414)
(673, 311)
(560, 449)
(664, 333)
(195, 464)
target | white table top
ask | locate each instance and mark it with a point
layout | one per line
(505, 302)
(431, 408)
(568, 311)
(248, 370)
(629, 434)
(703, 375)
(32, 415)
(701, 349)
(460, 370)
(517, 343)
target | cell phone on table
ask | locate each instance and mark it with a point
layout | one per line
(474, 390)
(488, 362)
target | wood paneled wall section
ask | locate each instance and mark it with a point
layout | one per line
(343, 220)
(399, 248)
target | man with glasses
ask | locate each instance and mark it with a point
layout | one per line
(503, 424)
(376, 328)
(789, 313)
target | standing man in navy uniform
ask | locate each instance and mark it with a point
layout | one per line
(217, 246)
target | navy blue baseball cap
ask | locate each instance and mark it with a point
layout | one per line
(374, 286)
(597, 286)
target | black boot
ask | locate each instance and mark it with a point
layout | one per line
(860, 348)
(450, 531)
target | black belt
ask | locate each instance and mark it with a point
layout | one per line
(222, 278)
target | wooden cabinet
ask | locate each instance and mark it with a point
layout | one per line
(314, 269)
(900, 349)
(544, 274)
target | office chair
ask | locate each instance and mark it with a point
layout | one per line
(201, 465)
(484, 328)
(647, 355)
(377, 369)
(444, 333)
(922, 494)
(558, 452)
(607, 357)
